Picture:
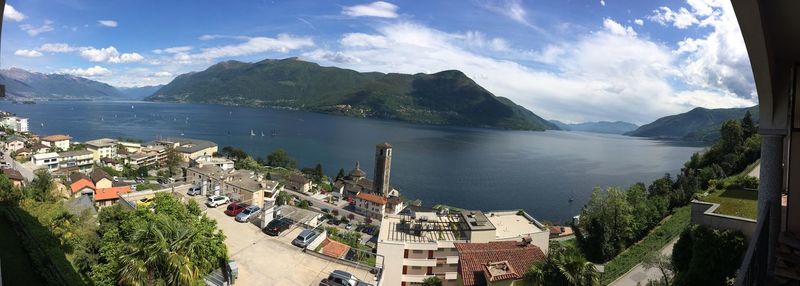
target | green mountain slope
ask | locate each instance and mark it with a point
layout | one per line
(699, 124)
(444, 98)
(22, 84)
(608, 127)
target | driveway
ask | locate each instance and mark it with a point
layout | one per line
(267, 260)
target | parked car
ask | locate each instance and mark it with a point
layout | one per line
(116, 179)
(305, 237)
(215, 201)
(193, 191)
(341, 278)
(247, 213)
(171, 180)
(276, 227)
(235, 208)
(348, 226)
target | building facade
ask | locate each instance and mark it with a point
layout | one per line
(383, 168)
(46, 160)
(60, 142)
(102, 148)
(189, 149)
(18, 124)
(239, 185)
(80, 159)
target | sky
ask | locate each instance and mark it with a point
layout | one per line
(568, 60)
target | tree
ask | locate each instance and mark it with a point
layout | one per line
(715, 255)
(303, 204)
(748, 127)
(432, 281)
(42, 186)
(280, 158)
(283, 198)
(731, 136)
(662, 263)
(172, 161)
(9, 193)
(339, 175)
(563, 266)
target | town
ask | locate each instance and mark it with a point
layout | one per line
(283, 224)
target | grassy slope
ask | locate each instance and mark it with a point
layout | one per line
(662, 234)
(17, 267)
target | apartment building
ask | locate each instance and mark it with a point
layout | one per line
(239, 185)
(102, 148)
(189, 149)
(147, 156)
(421, 244)
(46, 160)
(60, 142)
(18, 124)
(82, 160)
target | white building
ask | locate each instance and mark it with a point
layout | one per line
(48, 160)
(18, 124)
(60, 142)
(102, 148)
(421, 244)
(223, 163)
(82, 160)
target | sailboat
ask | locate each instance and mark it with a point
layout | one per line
(131, 106)
(42, 124)
(262, 133)
(252, 133)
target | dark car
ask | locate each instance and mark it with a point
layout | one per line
(235, 208)
(276, 227)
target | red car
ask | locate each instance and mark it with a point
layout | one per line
(235, 208)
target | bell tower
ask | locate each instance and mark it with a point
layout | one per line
(383, 166)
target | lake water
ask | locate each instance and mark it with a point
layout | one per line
(465, 167)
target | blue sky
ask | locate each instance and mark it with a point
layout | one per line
(568, 60)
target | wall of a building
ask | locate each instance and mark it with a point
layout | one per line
(703, 214)
(392, 262)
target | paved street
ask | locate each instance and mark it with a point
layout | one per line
(638, 274)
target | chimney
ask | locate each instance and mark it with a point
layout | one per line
(526, 241)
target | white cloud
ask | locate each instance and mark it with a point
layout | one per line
(510, 8)
(12, 14)
(174, 50)
(28, 53)
(379, 9)
(639, 22)
(57, 48)
(617, 28)
(602, 3)
(34, 30)
(681, 18)
(110, 55)
(611, 74)
(94, 71)
(161, 74)
(479, 40)
(108, 23)
(256, 45)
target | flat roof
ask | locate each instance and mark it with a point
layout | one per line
(102, 142)
(189, 145)
(513, 224)
(295, 214)
(428, 228)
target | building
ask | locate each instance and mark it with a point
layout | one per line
(81, 185)
(370, 205)
(60, 142)
(15, 177)
(80, 159)
(111, 163)
(148, 156)
(383, 167)
(101, 179)
(102, 148)
(422, 244)
(46, 160)
(298, 183)
(189, 148)
(224, 163)
(18, 124)
(15, 143)
(104, 197)
(496, 263)
(39, 148)
(239, 185)
(128, 147)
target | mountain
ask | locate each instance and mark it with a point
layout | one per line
(22, 84)
(140, 92)
(608, 127)
(443, 98)
(699, 124)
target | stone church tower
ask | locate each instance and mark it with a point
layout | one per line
(383, 166)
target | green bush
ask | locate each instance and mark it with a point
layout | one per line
(714, 256)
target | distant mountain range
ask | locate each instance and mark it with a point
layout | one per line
(699, 124)
(140, 92)
(443, 98)
(25, 85)
(608, 127)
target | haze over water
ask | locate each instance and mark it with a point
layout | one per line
(465, 167)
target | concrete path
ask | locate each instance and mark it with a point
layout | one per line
(756, 172)
(638, 274)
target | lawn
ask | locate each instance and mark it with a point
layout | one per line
(662, 234)
(16, 265)
(735, 202)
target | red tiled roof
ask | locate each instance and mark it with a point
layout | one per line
(371, 198)
(81, 184)
(554, 229)
(111, 193)
(473, 258)
(13, 174)
(334, 248)
(53, 138)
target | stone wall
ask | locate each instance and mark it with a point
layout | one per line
(703, 214)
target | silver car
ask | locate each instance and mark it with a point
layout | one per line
(247, 213)
(193, 191)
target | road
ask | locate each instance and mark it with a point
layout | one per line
(639, 275)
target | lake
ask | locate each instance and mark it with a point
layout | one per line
(464, 167)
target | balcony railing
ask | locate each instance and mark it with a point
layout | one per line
(753, 270)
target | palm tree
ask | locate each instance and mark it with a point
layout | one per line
(161, 253)
(562, 267)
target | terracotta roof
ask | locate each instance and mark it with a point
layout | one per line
(77, 186)
(334, 248)
(371, 198)
(13, 174)
(108, 160)
(111, 193)
(474, 258)
(554, 229)
(38, 146)
(53, 138)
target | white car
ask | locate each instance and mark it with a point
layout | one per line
(247, 213)
(215, 201)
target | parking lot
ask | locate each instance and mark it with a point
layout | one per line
(267, 260)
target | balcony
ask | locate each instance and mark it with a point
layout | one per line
(419, 262)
